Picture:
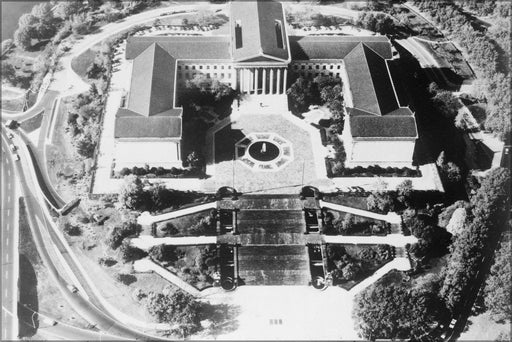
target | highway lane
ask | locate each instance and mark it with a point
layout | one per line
(39, 226)
(9, 244)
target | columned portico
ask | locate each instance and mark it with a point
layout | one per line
(262, 80)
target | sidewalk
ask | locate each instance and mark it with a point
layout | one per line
(397, 240)
(390, 217)
(146, 265)
(145, 242)
(147, 219)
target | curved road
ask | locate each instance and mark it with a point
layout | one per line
(9, 244)
(38, 226)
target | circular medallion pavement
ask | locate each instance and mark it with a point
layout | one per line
(264, 151)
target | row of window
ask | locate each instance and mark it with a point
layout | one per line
(200, 67)
(191, 75)
(316, 66)
(311, 75)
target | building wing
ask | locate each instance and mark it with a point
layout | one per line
(258, 28)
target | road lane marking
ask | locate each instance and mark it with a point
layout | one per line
(8, 198)
(7, 257)
(8, 211)
(7, 240)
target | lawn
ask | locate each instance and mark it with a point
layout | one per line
(33, 123)
(183, 226)
(350, 264)
(36, 287)
(360, 226)
(81, 63)
(195, 264)
(61, 157)
(350, 200)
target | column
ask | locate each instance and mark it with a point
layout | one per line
(241, 80)
(247, 78)
(271, 81)
(257, 71)
(284, 80)
(251, 81)
(264, 81)
(278, 85)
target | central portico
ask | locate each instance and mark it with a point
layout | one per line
(261, 80)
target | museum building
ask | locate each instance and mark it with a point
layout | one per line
(258, 57)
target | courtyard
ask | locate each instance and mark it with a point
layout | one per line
(294, 164)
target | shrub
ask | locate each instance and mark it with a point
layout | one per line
(72, 230)
(126, 279)
(130, 253)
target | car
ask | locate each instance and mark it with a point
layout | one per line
(72, 288)
(10, 135)
(16, 157)
(49, 321)
(452, 323)
(13, 147)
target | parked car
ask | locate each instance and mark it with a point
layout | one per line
(16, 157)
(72, 288)
(10, 135)
(13, 147)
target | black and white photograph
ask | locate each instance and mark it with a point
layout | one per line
(234, 170)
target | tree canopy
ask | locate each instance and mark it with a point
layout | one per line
(395, 311)
(497, 288)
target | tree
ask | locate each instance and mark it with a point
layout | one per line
(131, 193)
(393, 311)
(130, 253)
(46, 25)
(404, 191)
(177, 308)
(194, 160)
(446, 104)
(380, 201)
(351, 271)
(497, 288)
(8, 72)
(162, 252)
(23, 35)
(119, 233)
(490, 208)
(302, 93)
(65, 9)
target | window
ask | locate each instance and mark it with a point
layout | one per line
(215, 67)
(179, 67)
(339, 66)
(238, 34)
(310, 67)
(222, 67)
(186, 67)
(279, 34)
(208, 67)
(296, 67)
(331, 67)
(221, 75)
(317, 67)
(324, 67)
(193, 67)
(303, 67)
(200, 67)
